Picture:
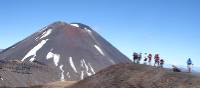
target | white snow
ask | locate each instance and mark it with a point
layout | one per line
(82, 75)
(72, 64)
(92, 69)
(32, 59)
(62, 78)
(75, 25)
(50, 55)
(86, 67)
(82, 64)
(89, 31)
(56, 57)
(89, 74)
(99, 49)
(34, 50)
(46, 33)
(68, 75)
(1, 79)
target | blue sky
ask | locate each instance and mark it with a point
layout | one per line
(168, 27)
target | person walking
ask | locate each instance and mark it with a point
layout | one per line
(135, 57)
(150, 58)
(157, 60)
(145, 58)
(139, 58)
(189, 65)
(161, 63)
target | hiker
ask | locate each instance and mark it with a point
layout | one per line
(161, 63)
(175, 69)
(157, 60)
(139, 58)
(135, 57)
(145, 58)
(189, 65)
(149, 57)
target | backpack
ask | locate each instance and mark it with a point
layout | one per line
(189, 62)
(145, 59)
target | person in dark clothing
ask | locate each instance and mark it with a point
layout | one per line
(139, 58)
(175, 69)
(161, 63)
(145, 58)
(135, 57)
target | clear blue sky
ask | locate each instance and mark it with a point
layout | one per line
(169, 27)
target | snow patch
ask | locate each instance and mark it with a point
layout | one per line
(86, 67)
(82, 64)
(56, 57)
(34, 51)
(68, 75)
(72, 64)
(50, 55)
(32, 59)
(92, 69)
(89, 74)
(62, 78)
(82, 75)
(89, 31)
(99, 49)
(75, 25)
(46, 33)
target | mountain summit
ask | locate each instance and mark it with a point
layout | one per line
(73, 50)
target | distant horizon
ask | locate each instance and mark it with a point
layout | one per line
(170, 28)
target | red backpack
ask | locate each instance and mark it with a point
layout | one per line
(157, 57)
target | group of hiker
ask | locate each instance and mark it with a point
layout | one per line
(137, 57)
(158, 62)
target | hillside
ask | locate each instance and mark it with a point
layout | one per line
(14, 73)
(72, 51)
(138, 76)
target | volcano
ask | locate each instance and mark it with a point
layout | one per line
(72, 51)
